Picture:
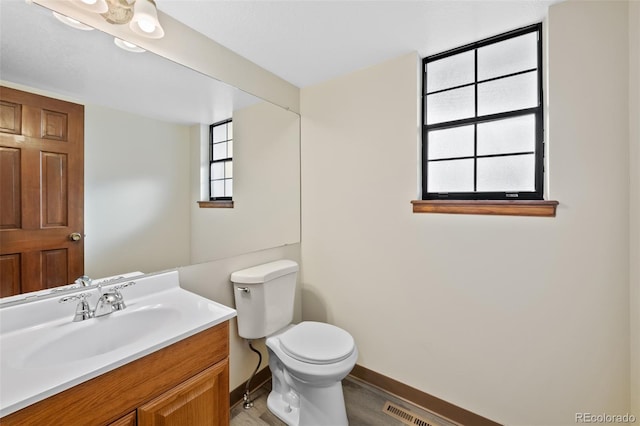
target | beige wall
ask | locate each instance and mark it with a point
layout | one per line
(522, 320)
(136, 193)
(634, 157)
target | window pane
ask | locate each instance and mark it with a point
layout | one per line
(217, 171)
(220, 151)
(228, 187)
(220, 133)
(450, 105)
(515, 173)
(228, 169)
(217, 188)
(449, 72)
(449, 143)
(509, 56)
(508, 94)
(230, 149)
(507, 136)
(450, 176)
(230, 130)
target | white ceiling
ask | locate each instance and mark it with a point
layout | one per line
(307, 42)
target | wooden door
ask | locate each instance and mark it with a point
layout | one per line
(41, 192)
(202, 400)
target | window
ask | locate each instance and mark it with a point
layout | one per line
(483, 120)
(221, 161)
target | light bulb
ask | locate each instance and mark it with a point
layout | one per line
(145, 19)
(128, 46)
(95, 6)
(147, 26)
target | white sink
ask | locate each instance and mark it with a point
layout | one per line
(93, 338)
(43, 352)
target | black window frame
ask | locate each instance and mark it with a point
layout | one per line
(221, 160)
(537, 111)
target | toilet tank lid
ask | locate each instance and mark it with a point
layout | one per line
(265, 272)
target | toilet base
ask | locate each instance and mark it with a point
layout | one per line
(319, 406)
(282, 409)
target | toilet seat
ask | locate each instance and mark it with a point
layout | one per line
(317, 343)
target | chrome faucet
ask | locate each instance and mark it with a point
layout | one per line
(83, 310)
(108, 303)
(84, 281)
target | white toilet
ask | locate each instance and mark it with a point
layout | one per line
(308, 361)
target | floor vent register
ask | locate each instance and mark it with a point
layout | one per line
(406, 416)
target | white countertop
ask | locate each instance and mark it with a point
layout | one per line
(42, 352)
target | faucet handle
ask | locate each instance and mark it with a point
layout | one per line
(81, 297)
(84, 281)
(120, 305)
(83, 310)
(125, 285)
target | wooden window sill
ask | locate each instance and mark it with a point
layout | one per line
(216, 204)
(539, 208)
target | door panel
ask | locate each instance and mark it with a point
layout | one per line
(54, 266)
(10, 277)
(54, 183)
(10, 188)
(10, 117)
(41, 185)
(54, 125)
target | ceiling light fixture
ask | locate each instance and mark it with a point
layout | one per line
(119, 12)
(96, 6)
(128, 46)
(140, 15)
(145, 19)
(72, 22)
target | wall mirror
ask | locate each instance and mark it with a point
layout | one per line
(146, 129)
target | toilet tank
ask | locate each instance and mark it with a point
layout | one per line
(264, 297)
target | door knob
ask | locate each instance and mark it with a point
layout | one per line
(76, 236)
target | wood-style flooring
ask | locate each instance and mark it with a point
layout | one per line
(364, 408)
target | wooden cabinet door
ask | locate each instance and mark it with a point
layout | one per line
(41, 192)
(202, 400)
(128, 420)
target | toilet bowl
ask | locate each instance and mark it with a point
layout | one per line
(307, 360)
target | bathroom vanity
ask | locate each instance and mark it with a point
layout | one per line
(171, 384)
(171, 371)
